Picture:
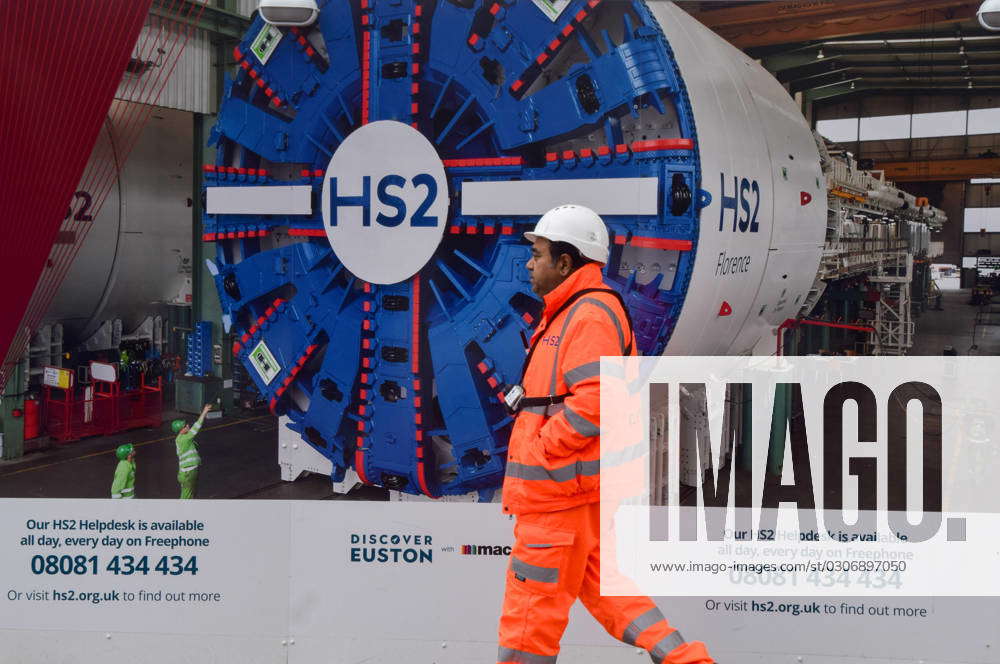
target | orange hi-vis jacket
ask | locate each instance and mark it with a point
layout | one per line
(553, 462)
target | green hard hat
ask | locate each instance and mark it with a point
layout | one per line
(177, 425)
(124, 451)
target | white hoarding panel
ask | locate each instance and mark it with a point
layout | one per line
(291, 199)
(528, 198)
(353, 582)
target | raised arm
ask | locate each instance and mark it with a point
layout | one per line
(196, 427)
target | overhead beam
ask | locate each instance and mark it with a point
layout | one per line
(837, 90)
(811, 67)
(204, 16)
(946, 169)
(839, 19)
(867, 87)
(923, 38)
(750, 14)
(841, 65)
(956, 76)
(804, 57)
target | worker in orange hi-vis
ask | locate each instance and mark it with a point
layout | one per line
(553, 463)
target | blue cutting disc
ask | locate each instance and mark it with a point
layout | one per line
(401, 381)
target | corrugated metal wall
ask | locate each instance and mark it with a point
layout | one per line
(246, 7)
(190, 86)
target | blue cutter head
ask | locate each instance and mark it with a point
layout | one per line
(516, 107)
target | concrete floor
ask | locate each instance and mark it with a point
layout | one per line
(953, 326)
(240, 454)
(239, 460)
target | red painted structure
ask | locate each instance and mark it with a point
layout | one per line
(794, 322)
(59, 99)
(101, 408)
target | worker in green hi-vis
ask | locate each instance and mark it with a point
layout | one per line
(123, 485)
(187, 453)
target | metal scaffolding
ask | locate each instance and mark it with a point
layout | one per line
(874, 231)
(893, 315)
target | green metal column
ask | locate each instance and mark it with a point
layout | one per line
(13, 427)
(845, 316)
(779, 428)
(205, 301)
(744, 456)
(197, 245)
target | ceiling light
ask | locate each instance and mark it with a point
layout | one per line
(970, 85)
(819, 54)
(989, 14)
(289, 12)
(852, 85)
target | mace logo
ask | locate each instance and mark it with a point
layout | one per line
(391, 548)
(485, 550)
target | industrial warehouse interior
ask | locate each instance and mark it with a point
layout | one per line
(905, 112)
(169, 299)
(294, 251)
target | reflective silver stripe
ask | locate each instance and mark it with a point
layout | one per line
(562, 334)
(116, 495)
(524, 472)
(569, 317)
(541, 546)
(622, 457)
(511, 656)
(195, 428)
(188, 455)
(534, 572)
(128, 490)
(641, 624)
(588, 370)
(663, 648)
(614, 319)
(581, 425)
(544, 411)
(564, 474)
(616, 369)
(188, 467)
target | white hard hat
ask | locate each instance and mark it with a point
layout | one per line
(579, 226)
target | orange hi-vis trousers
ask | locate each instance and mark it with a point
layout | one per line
(555, 559)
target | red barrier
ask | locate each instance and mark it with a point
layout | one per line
(795, 322)
(31, 420)
(101, 408)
